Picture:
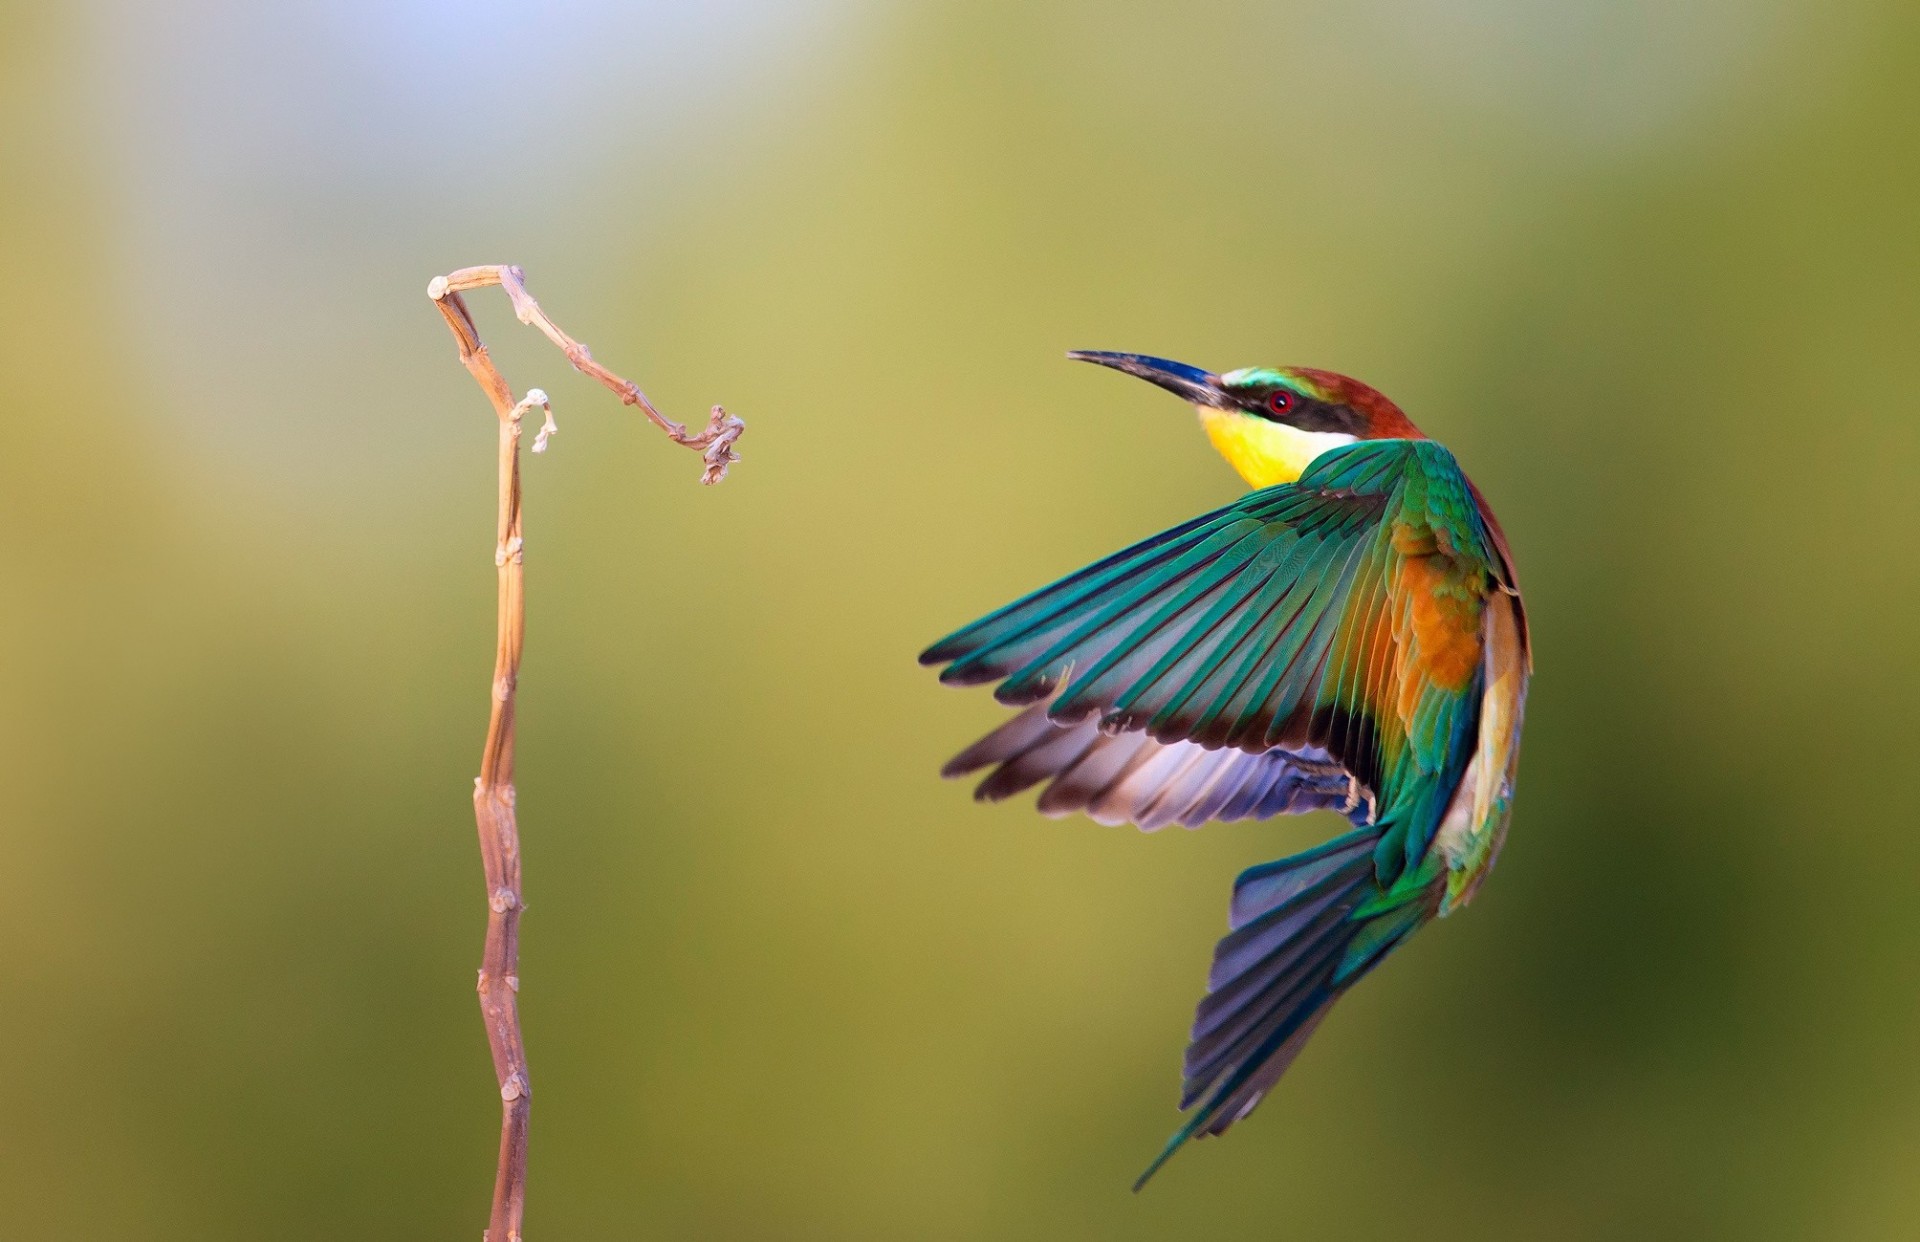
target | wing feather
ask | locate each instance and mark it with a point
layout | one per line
(1130, 778)
(1287, 621)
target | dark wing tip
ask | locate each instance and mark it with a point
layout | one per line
(959, 766)
(945, 651)
(1020, 693)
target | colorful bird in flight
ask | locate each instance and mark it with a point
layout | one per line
(1347, 637)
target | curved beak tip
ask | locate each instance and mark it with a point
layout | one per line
(1186, 382)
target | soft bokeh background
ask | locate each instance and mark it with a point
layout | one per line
(1653, 271)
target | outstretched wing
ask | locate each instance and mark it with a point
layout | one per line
(1337, 616)
(1130, 778)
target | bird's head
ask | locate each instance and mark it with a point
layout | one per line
(1270, 422)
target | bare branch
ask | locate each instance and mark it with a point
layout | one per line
(715, 442)
(493, 790)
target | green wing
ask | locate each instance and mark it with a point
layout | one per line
(1292, 619)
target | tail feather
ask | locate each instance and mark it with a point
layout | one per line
(1257, 1086)
(1234, 992)
(1237, 1031)
(1305, 929)
(1380, 935)
(1246, 1087)
(1269, 920)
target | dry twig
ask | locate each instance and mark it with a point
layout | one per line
(493, 795)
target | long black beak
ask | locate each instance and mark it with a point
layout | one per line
(1190, 384)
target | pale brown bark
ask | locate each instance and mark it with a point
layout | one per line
(493, 791)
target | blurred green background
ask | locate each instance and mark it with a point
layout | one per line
(1653, 273)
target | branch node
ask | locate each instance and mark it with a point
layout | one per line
(536, 398)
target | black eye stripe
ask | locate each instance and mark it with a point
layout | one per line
(1302, 413)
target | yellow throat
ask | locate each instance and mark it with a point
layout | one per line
(1265, 453)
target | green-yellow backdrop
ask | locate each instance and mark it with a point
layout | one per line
(1654, 274)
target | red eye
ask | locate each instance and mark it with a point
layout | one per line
(1280, 401)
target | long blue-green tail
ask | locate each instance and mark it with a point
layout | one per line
(1305, 929)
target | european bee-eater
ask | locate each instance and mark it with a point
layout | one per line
(1348, 636)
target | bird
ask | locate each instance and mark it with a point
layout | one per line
(1348, 636)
